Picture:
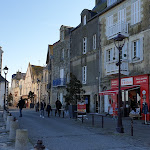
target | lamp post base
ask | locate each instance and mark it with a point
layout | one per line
(120, 129)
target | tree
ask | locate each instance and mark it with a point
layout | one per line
(74, 90)
(31, 96)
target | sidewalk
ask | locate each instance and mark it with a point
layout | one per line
(5, 143)
(141, 132)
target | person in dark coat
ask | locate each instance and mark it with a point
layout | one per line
(21, 105)
(48, 109)
(58, 107)
(42, 109)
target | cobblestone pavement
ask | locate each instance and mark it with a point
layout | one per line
(60, 133)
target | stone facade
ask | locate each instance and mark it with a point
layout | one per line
(85, 55)
(61, 65)
(137, 63)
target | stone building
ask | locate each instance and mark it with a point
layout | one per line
(49, 63)
(129, 18)
(61, 65)
(23, 83)
(85, 54)
(16, 86)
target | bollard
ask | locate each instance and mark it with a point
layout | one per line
(131, 126)
(102, 121)
(39, 145)
(5, 114)
(13, 127)
(21, 139)
(9, 118)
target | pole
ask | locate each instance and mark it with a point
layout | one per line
(5, 94)
(119, 122)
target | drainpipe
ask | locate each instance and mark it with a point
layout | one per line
(100, 69)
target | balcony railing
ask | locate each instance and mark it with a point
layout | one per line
(121, 27)
(112, 68)
(59, 82)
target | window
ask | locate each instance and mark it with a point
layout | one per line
(135, 11)
(110, 2)
(136, 50)
(61, 98)
(94, 41)
(122, 15)
(84, 74)
(84, 20)
(62, 54)
(109, 55)
(84, 45)
(61, 73)
(109, 24)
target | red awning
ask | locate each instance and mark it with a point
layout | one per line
(114, 90)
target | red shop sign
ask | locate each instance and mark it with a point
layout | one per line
(141, 80)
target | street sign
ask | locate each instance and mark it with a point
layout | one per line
(143, 92)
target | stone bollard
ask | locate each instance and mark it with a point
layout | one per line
(9, 118)
(5, 114)
(21, 139)
(14, 125)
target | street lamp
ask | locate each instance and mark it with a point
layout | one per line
(119, 42)
(5, 72)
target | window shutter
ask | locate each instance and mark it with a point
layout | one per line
(85, 44)
(105, 59)
(141, 48)
(139, 10)
(85, 73)
(138, 49)
(132, 14)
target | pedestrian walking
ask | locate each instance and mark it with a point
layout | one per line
(21, 105)
(48, 109)
(37, 107)
(42, 109)
(58, 107)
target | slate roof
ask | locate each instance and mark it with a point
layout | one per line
(36, 70)
(2, 79)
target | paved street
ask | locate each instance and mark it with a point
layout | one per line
(60, 133)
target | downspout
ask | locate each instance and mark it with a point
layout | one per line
(100, 69)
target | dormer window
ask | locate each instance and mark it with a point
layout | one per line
(110, 2)
(84, 20)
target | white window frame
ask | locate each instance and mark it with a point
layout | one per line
(84, 74)
(84, 20)
(109, 55)
(136, 12)
(94, 41)
(109, 23)
(122, 15)
(136, 50)
(61, 73)
(84, 45)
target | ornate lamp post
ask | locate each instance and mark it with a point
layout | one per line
(119, 41)
(5, 72)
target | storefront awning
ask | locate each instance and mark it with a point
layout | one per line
(114, 90)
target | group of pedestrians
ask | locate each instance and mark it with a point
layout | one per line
(42, 107)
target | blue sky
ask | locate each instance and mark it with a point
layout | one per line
(28, 26)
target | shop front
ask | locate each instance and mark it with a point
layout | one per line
(135, 94)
